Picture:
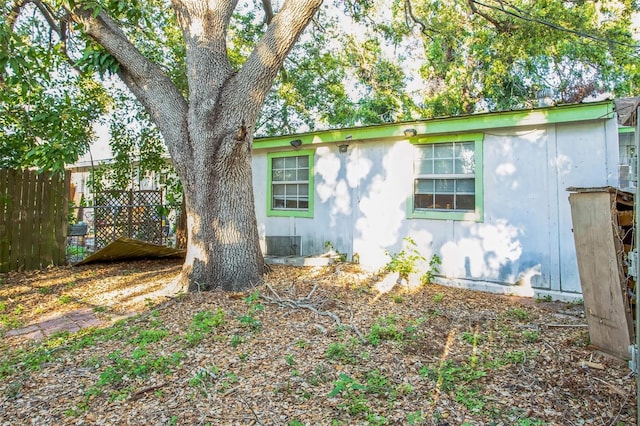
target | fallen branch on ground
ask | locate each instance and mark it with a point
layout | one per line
(307, 303)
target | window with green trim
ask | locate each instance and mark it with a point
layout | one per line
(445, 177)
(447, 181)
(290, 184)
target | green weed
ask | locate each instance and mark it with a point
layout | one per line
(302, 344)
(470, 398)
(290, 361)
(518, 313)
(340, 351)
(384, 329)
(353, 393)
(248, 319)
(236, 340)
(416, 418)
(474, 339)
(203, 324)
(450, 375)
(65, 299)
(204, 378)
(531, 336)
(434, 269)
(404, 262)
(146, 337)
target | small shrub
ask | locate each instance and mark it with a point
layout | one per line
(404, 262)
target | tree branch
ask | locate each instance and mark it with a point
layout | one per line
(50, 17)
(268, 11)
(257, 75)
(308, 303)
(153, 88)
(408, 11)
(500, 26)
(204, 26)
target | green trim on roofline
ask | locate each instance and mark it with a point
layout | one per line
(471, 137)
(458, 124)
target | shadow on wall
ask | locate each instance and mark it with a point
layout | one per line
(332, 185)
(491, 252)
(382, 202)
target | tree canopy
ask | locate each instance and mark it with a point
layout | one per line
(359, 62)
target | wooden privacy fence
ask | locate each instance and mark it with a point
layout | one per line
(33, 219)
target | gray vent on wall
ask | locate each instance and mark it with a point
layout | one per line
(283, 246)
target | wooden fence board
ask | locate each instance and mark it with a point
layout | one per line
(40, 230)
(24, 239)
(33, 219)
(46, 234)
(14, 217)
(4, 222)
(33, 260)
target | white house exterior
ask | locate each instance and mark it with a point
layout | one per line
(485, 192)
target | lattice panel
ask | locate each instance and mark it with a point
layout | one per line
(131, 214)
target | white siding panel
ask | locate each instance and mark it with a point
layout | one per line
(524, 243)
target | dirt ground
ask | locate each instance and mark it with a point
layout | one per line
(312, 346)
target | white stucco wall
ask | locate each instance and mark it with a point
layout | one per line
(523, 245)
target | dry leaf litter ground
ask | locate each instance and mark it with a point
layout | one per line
(312, 346)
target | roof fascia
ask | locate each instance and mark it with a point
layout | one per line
(468, 123)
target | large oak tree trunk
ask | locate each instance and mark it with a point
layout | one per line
(223, 249)
(209, 133)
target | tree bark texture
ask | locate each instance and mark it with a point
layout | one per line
(209, 136)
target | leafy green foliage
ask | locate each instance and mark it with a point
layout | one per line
(404, 262)
(498, 55)
(249, 319)
(384, 328)
(202, 324)
(449, 375)
(46, 109)
(356, 64)
(434, 269)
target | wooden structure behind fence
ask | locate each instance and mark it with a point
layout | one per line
(33, 219)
